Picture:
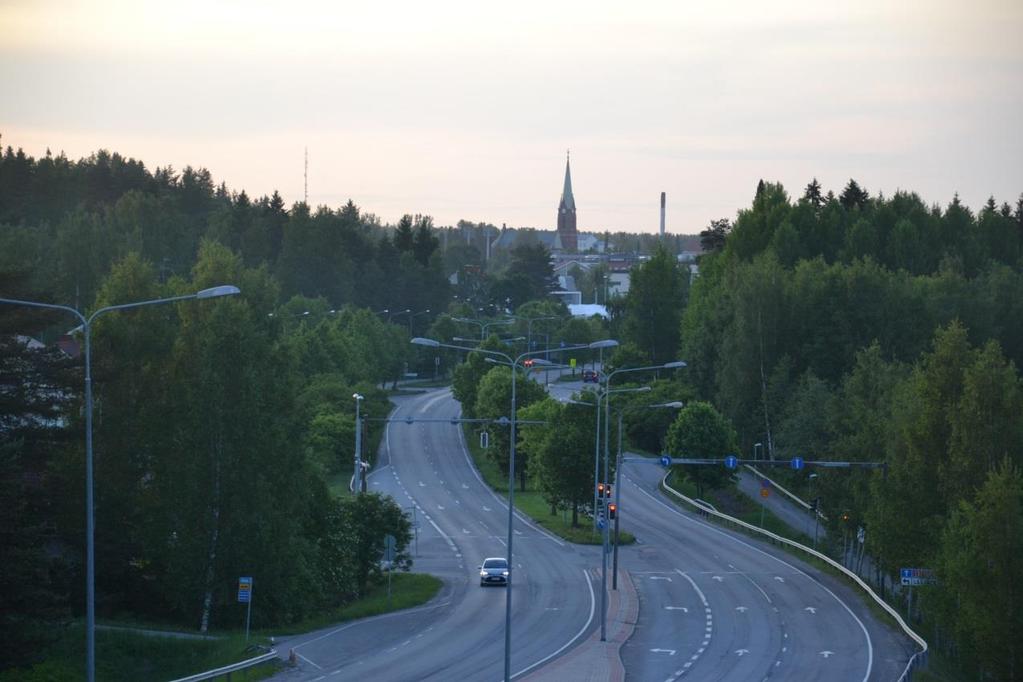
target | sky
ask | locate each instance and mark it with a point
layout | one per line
(465, 110)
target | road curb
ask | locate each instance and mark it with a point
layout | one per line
(594, 660)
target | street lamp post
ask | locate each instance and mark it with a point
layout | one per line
(675, 404)
(414, 315)
(358, 445)
(607, 416)
(511, 470)
(90, 558)
(482, 325)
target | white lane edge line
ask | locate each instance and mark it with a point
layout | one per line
(870, 646)
(584, 628)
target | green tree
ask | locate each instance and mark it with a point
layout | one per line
(560, 453)
(701, 431)
(654, 304)
(979, 595)
(493, 401)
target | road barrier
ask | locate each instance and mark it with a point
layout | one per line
(228, 669)
(917, 660)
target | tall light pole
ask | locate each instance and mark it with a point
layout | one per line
(607, 417)
(675, 404)
(482, 325)
(414, 315)
(90, 555)
(358, 445)
(514, 364)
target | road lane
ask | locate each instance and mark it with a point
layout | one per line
(758, 596)
(461, 521)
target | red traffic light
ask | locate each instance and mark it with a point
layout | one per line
(612, 510)
(600, 490)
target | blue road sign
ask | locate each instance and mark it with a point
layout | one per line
(665, 460)
(600, 522)
(797, 463)
(244, 590)
(731, 461)
(917, 576)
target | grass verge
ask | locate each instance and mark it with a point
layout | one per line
(130, 656)
(407, 590)
(532, 504)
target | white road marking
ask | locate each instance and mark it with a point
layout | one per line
(811, 609)
(825, 654)
(677, 608)
(486, 508)
(712, 529)
(586, 625)
(308, 661)
(742, 652)
(741, 609)
(440, 507)
(660, 577)
(670, 652)
(779, 578)
(718, 578)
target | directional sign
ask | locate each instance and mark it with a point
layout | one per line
(917, 576)
(600, 523)
(731, 461)
(665, 460)
(389, 546)
(797, 463)
(244, 590)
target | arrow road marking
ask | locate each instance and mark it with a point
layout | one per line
(779, 578)
(486, 508)
(660, 577)
(810, 609)
(465, 486)
(741, 652)
(677, 608)
(440, 507)
(670, 652)
(825, 654)
(741, 609)
(718, 578)
(465, 531)
(422, 485)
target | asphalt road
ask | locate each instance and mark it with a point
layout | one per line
(460, 635)
(714, 605)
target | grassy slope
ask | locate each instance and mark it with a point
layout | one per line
(532, 503)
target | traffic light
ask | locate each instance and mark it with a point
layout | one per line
(528, 362)
(607, 490)
(612, 510)
(600, 490)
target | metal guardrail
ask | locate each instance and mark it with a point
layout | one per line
(228, 669)
(917, 660)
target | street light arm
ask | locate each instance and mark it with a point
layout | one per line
(213, 292)
(49, 306)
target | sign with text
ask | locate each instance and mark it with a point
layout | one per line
(244, 590)
(917, 576)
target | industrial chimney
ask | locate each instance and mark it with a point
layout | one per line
(662, 216)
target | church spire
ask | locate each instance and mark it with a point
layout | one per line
(567, 200)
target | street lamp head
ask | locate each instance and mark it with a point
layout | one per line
(357, 396)
(605, 343)
(674, 364)
(222, 290)
(420, 341)
(677, 404)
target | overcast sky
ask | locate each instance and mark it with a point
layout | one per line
(463, 110)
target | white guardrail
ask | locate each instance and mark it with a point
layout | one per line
(917, 659)
(228, 669)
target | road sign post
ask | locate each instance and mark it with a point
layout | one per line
(245, 597)
(389, 546)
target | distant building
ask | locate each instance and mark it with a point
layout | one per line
(567, 237)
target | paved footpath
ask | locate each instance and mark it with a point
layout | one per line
(594, 660)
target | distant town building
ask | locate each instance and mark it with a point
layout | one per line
(567, 237)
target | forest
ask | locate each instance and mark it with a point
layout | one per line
(843, 326)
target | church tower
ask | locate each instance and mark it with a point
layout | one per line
(566, 215)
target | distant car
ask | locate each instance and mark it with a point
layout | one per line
(494, 571)
(590, 375)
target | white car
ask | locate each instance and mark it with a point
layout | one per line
(494, 571)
